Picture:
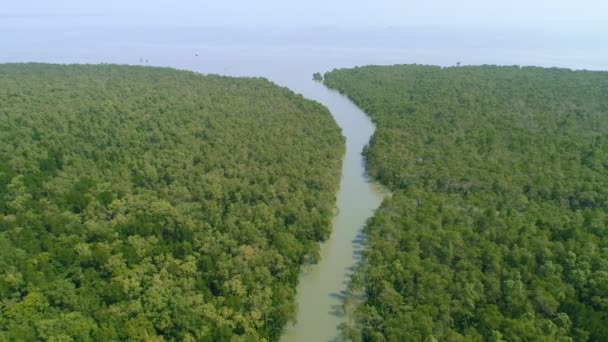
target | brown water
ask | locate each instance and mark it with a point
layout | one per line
(322, 286)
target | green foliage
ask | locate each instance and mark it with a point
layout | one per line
(317, 77)
(148, 203)
(497, 229)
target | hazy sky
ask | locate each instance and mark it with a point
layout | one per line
(553, 15)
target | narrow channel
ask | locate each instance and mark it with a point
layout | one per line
(322, 286)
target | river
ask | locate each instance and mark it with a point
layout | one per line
(322, 286)
(288, 58)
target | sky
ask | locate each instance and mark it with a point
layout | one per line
(551, 15)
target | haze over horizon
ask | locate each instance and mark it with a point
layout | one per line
(321, 170)
(586, 16)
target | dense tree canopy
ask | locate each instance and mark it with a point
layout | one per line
(497, 230)
(153, 204)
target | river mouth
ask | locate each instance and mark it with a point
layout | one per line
(291, 62)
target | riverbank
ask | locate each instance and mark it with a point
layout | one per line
(323, 286)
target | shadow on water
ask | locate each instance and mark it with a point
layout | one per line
(337, 310)
(364, 173)
(359, 241)
(323, 292)
(341, 295)
(346, 298)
